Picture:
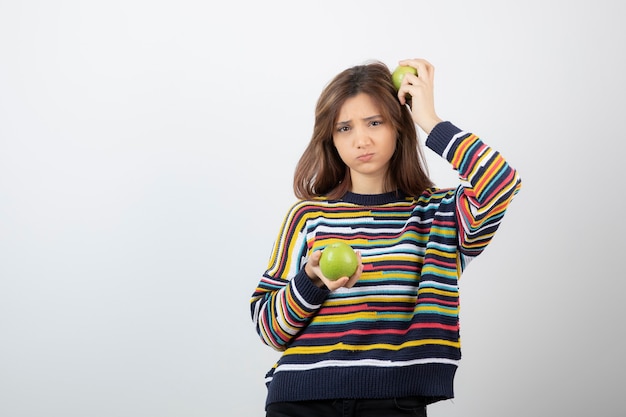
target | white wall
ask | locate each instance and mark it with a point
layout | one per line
(146, 156)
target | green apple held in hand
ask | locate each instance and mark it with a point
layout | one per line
(338, 260)
(398, 74)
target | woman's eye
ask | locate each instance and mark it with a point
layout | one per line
(343, 129)
(376, 123)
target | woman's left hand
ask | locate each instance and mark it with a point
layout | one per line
(421, 89)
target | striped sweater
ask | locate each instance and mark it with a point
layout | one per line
(396, 332)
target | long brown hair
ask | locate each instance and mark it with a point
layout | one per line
(321, 172)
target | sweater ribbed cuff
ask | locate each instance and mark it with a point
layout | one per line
(440, 137)
(309, 291)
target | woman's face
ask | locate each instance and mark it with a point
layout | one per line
(365, 142)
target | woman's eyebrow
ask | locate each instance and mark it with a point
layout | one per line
(347, 122)
(376, 116)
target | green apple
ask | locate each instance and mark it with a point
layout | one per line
(338, 260)
(398, 74)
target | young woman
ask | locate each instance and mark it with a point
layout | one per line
(384, 341)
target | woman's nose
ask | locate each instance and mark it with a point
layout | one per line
(362, 139)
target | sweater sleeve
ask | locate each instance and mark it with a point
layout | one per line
(285, 298)
(487, 185)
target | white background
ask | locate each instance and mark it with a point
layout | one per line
(146, 156)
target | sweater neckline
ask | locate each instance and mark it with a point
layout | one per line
(373, 199)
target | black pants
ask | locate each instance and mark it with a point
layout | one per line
(393, 407)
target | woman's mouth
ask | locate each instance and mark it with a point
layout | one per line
(365, 157)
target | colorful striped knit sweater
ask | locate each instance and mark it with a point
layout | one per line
(396, 332)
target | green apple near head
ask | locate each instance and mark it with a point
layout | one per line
(338, 260)
(398, 74)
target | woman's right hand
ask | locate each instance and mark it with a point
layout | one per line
(313, 270)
